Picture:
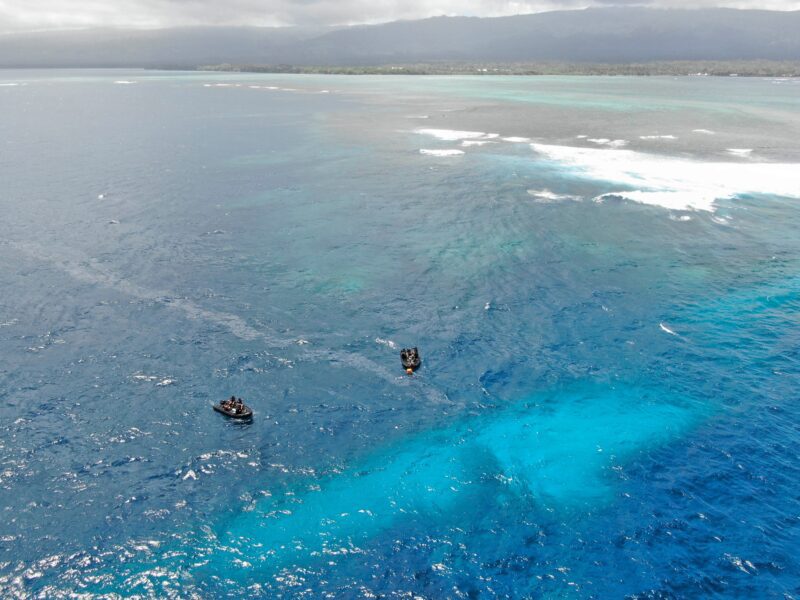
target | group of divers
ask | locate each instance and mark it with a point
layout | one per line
(235, 408)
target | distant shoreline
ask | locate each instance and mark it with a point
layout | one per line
(745, 68)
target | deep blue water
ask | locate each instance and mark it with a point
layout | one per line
(608, 319)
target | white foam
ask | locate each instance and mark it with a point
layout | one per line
(742, 152)
(666, 329)
(468, 143)
(451, 135)
(384, 342)
(657, 137)
(681, 218)
(546, 195)
(446, 152)
(418, 117)
(674, 183)
(608, 142)
(125, 82)
(9, 85)
(703, 131)
(143, 377)
(581, 136)
(516, 140)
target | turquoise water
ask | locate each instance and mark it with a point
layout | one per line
(601, 275)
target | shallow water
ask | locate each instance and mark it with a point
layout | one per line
(604, 295)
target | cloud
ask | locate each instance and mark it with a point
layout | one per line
(20, 15)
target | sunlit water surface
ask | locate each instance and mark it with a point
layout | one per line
(602, 275)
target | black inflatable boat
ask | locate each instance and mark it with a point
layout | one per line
(410, 358)
(245, 413)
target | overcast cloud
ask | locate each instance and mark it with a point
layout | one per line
(22, 15)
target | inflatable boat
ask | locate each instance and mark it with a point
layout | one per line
(410, 358)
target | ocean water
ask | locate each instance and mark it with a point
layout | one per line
(602, 276)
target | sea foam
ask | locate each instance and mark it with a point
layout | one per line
(469, 143)
(445, 152)
(608, 142)
(673, 183)
(657, 137)
(546, 196)
(452, 135)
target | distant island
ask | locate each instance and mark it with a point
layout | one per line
(597, 41)
(741, 68)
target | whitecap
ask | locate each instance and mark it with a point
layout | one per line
(446, 152)
(666, 329)
(165, 382)
(516, 140)
(451, 135)
(125, 82)
(190, 474)
(703, 131)
(681, 218)
(9, 85)
(582, 136)
(469, 143)
(671, 182)
(143, 377)
(384, 342)
(608, 142)
(742, 152)
(657, 137)
(418, 117)
(546, 195)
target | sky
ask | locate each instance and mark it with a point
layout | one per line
(33, 15)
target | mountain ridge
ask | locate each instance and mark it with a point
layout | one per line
(602, 35)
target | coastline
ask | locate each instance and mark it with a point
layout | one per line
(700, 68)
